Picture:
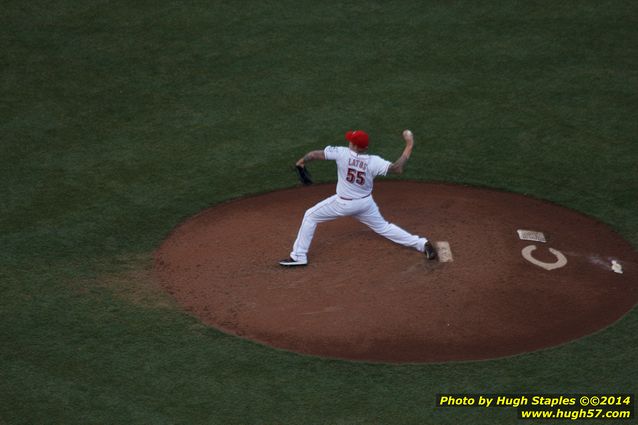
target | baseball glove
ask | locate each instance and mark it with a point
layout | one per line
(304, 175)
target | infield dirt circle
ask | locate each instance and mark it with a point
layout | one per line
(362, 297)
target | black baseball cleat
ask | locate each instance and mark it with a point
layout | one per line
(289, 262)
(429, 251)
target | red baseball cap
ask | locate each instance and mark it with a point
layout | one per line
(358, 138)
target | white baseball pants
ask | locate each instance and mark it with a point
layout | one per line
(365, 210)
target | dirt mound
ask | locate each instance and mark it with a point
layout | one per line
(363, 297)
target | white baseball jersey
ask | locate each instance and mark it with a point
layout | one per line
(355, 172)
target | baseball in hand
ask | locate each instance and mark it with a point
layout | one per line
(407, 135)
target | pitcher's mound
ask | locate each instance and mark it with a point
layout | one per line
(363, 297)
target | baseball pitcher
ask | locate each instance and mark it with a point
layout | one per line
(356, 170)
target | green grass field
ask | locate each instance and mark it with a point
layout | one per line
(121, 119)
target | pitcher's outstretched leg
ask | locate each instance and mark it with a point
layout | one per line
(323, 211)
(373, 219)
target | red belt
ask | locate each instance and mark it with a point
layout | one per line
(350, 199)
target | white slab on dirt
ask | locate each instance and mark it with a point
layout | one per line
(443, 251)
(531, 235)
